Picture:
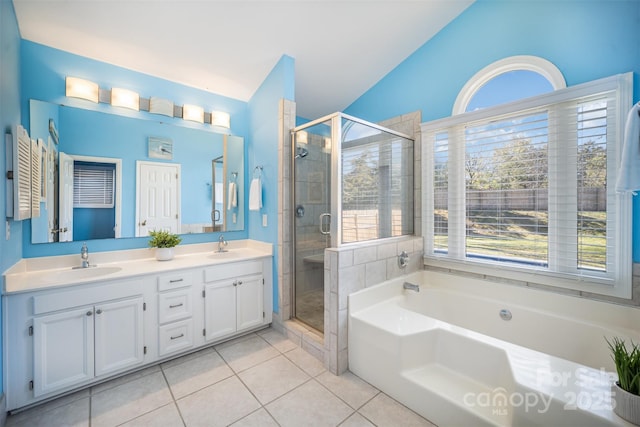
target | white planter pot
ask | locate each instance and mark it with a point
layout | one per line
(164, 254)
(626, 405)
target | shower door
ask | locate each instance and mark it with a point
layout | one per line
(312, 219)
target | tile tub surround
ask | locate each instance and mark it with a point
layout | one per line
(354, 267)
(262, 379)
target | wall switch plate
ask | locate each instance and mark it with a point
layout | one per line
(264, 220)
(8, 232)
(235, 217)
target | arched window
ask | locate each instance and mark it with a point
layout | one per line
(507, 80)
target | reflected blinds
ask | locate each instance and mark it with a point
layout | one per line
(93, 186)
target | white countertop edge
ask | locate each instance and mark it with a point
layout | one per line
(31, 274)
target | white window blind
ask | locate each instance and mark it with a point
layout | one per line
(528, 186)
(93, 186)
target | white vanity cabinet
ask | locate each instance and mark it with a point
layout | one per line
(176, 312)
(74, 345)
(234, 298)
(63, 337)
(60, 339)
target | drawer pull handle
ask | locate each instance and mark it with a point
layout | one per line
(176, 305)
(175, 280)
(178, 336)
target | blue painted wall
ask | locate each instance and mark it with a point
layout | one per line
(586, 40)
(263, 123)
(10, 250)
(43, 71)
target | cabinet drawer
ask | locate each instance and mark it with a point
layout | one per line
(174, 305)
(232, 270)
(174, 281)
(176, 336)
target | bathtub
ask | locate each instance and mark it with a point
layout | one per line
(470, 352)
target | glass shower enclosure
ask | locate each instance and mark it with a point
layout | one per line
(352, 181)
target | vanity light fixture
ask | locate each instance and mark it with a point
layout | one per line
(117, 97)
(327, 145)
(125, 98)
(160, 106)
(80, 88)
(220, 118)
(302, 137)
(193, 113)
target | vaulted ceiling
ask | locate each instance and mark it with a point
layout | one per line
(341, 47)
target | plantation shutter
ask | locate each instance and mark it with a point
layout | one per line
(529, 185)
(93, 186)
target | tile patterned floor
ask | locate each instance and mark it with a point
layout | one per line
(262, 379)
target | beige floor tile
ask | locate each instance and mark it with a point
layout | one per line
(218, 405)
(130, 400)
(196, 373)
(259, 418)
(349, 388)
(166, 416)
(309, 405)
(278, 340)
(244, 354)
(305, 361)
(273, 378)
(187, 358)
(356, 420)
(74, 414)
(383, 411)
(124, 379)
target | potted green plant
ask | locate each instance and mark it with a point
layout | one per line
(164, 242)
(626, 391)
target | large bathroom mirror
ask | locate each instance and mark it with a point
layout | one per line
(91, 184)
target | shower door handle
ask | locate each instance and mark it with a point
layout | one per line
(322, 223)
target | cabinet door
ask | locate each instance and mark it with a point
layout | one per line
(63, 350)
(220, 309)
(249, 302)
(118, 335)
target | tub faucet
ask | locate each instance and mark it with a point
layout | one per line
(411, 286)
(221, 244)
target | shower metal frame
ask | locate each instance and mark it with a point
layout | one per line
(335, 184)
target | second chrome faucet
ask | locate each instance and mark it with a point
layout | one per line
(221, 244)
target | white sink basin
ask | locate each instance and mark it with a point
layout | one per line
(85, 273)
(225, 255)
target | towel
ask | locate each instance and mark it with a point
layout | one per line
(233, 195)
(255, 195)
(629, 172)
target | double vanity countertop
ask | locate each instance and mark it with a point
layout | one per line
(32, 274)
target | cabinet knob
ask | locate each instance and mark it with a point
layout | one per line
(239, 282)
(235, 283)
(98, 311)
(89, 313)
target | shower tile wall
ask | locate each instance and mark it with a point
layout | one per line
(287, 112)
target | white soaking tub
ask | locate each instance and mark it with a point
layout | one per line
(449, 353)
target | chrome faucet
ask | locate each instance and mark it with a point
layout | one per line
(221, 244)
(84, 256)
(411, 286)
